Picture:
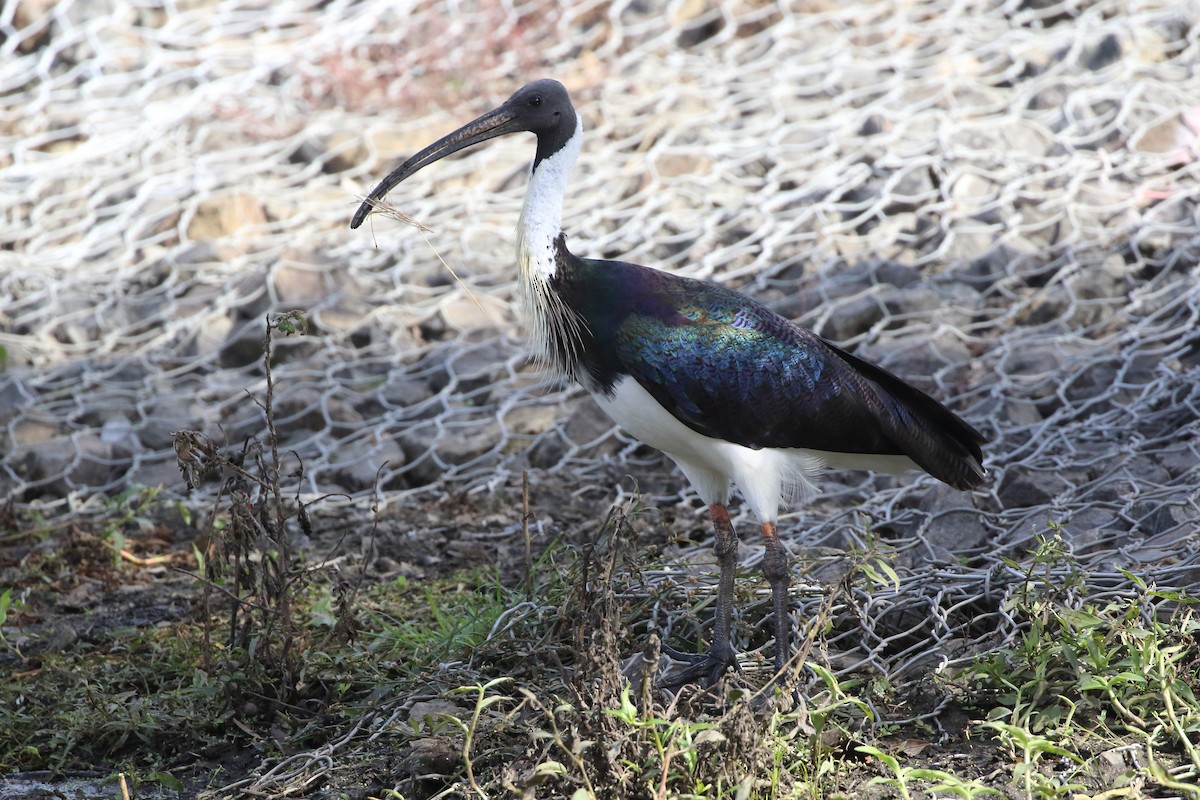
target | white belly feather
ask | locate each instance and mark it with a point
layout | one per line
(764, 477)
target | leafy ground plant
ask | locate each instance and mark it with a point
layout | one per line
(1088, 677)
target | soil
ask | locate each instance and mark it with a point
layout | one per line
(80, 597)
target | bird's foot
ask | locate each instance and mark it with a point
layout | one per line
(705, 668)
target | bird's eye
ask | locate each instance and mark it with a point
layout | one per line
(535, 101)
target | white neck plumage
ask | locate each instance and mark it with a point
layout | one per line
(537, 258)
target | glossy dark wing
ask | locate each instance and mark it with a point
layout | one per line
(730, 368)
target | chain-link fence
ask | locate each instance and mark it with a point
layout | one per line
(997, 200)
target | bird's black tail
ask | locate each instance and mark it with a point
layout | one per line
(934, 437)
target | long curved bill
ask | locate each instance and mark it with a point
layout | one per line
(496, 122)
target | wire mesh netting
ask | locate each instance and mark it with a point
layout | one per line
(996, 200)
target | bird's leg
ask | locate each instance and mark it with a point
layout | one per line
(775, 570)
(712, 665)
(726, 548)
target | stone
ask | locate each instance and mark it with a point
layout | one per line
(64, 465)
(1047, 305)
(1164, 518)
(585, 424)
(118, 429)
(209, 333)
(530, 419)
(302, 407)
(1178, 461)
(1025, 488)
(285, 349)
(1173, 137)
(359, 463)
(460, 312)
(335, 151)
(427, 715)
(157, 472)
(852, 317)
(941, 498)
(298, 286)
(429, 452)
(958, 531)
(896, 274)
(970, 190)
(911, 302)
(468, 368)
(1102, 54)
(28, 432)
(222, 215)
(404, 391)
(1019, 412)
(243, 345)
(986, 270)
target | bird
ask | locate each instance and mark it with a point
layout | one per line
(735, 394)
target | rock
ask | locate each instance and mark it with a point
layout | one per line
(940, 498)
(1025, 488)
(285, 349)
(873, 125)
(910, 187)
(1047, 304)
(223, 215)
(970, 191)
(917, 355)
(1090, 527)
(667, 164)
(297, 285)
(403, 391)
(251, 297)
(63, 465)
(986, 270)
(303, 407)
(346, 321)
(911, 302)
(852, 317)
(530, 419)
(466, 369)
(27, 14)
(430, 452)
(1155, 518)
(1034, 369)
(359, 463)
(427, 715)
(212, 331)
(157, 472)
(117, 429)
(460, 312)
(1174, 137)
(1102, 54)
(1019, 412)
(429, 757)
(896, 274)
(28, 432)
(243, 345)
(958, 531)
(202, 253)
(585, 424)
(970, 239)
(1178, 461)
(335, 151)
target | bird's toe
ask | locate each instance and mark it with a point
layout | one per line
(703, 668)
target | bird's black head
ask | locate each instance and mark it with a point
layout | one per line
(542, 108)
